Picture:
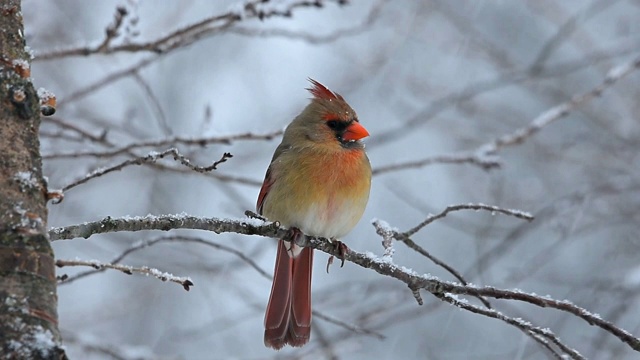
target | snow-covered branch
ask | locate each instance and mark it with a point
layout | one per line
(165, 223)
(542, 336)
(410, 278)
(129, 270)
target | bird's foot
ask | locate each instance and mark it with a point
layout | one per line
(342, 252)
(292, 237)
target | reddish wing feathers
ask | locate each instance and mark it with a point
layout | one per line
(264, 190)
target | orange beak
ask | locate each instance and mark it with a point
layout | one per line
(354, 132)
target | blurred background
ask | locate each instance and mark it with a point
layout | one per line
(427, 78)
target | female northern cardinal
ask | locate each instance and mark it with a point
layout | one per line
(317, 183)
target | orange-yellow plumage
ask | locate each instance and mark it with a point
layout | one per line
(318, 182)
(324, 196)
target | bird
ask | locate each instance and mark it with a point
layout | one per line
(317, 184)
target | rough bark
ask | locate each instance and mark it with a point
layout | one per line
(28, 300)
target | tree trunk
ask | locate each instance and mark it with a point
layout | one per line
(28, 300)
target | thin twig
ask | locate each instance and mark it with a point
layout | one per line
(112, 30)
(186, 239)
(557, 112)
(565, 31)
(187, 35)
(419, 249)
(108, 79)
(387, 233)
(61, 135)
(102, 139)
(104, 350)
(356, 329)
(150, 158)
(199, 141)
(485, 162)
(525, 326)
(494, 209)
(129, 270)
(157, 105)
(314, 38)
(384, 230)
(73, 127)
(485, 155)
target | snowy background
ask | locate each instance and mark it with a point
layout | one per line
(426, 78)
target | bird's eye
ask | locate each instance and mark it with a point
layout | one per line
(333, 124)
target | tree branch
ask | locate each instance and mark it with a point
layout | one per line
(481, 160)
(172, 141)
(354, 328)
(413, 280)
(313, 38)
(535, 332)
(152, 157)
(494, 209)
(187, 35)
(185, 239)
(559, 111)
(166, 223)
(129, 270)
(485, 155)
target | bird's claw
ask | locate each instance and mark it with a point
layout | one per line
(342, 252)
(329, 262)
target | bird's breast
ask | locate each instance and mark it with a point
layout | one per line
(322, 194)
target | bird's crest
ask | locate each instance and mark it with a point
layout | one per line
(319, 91)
